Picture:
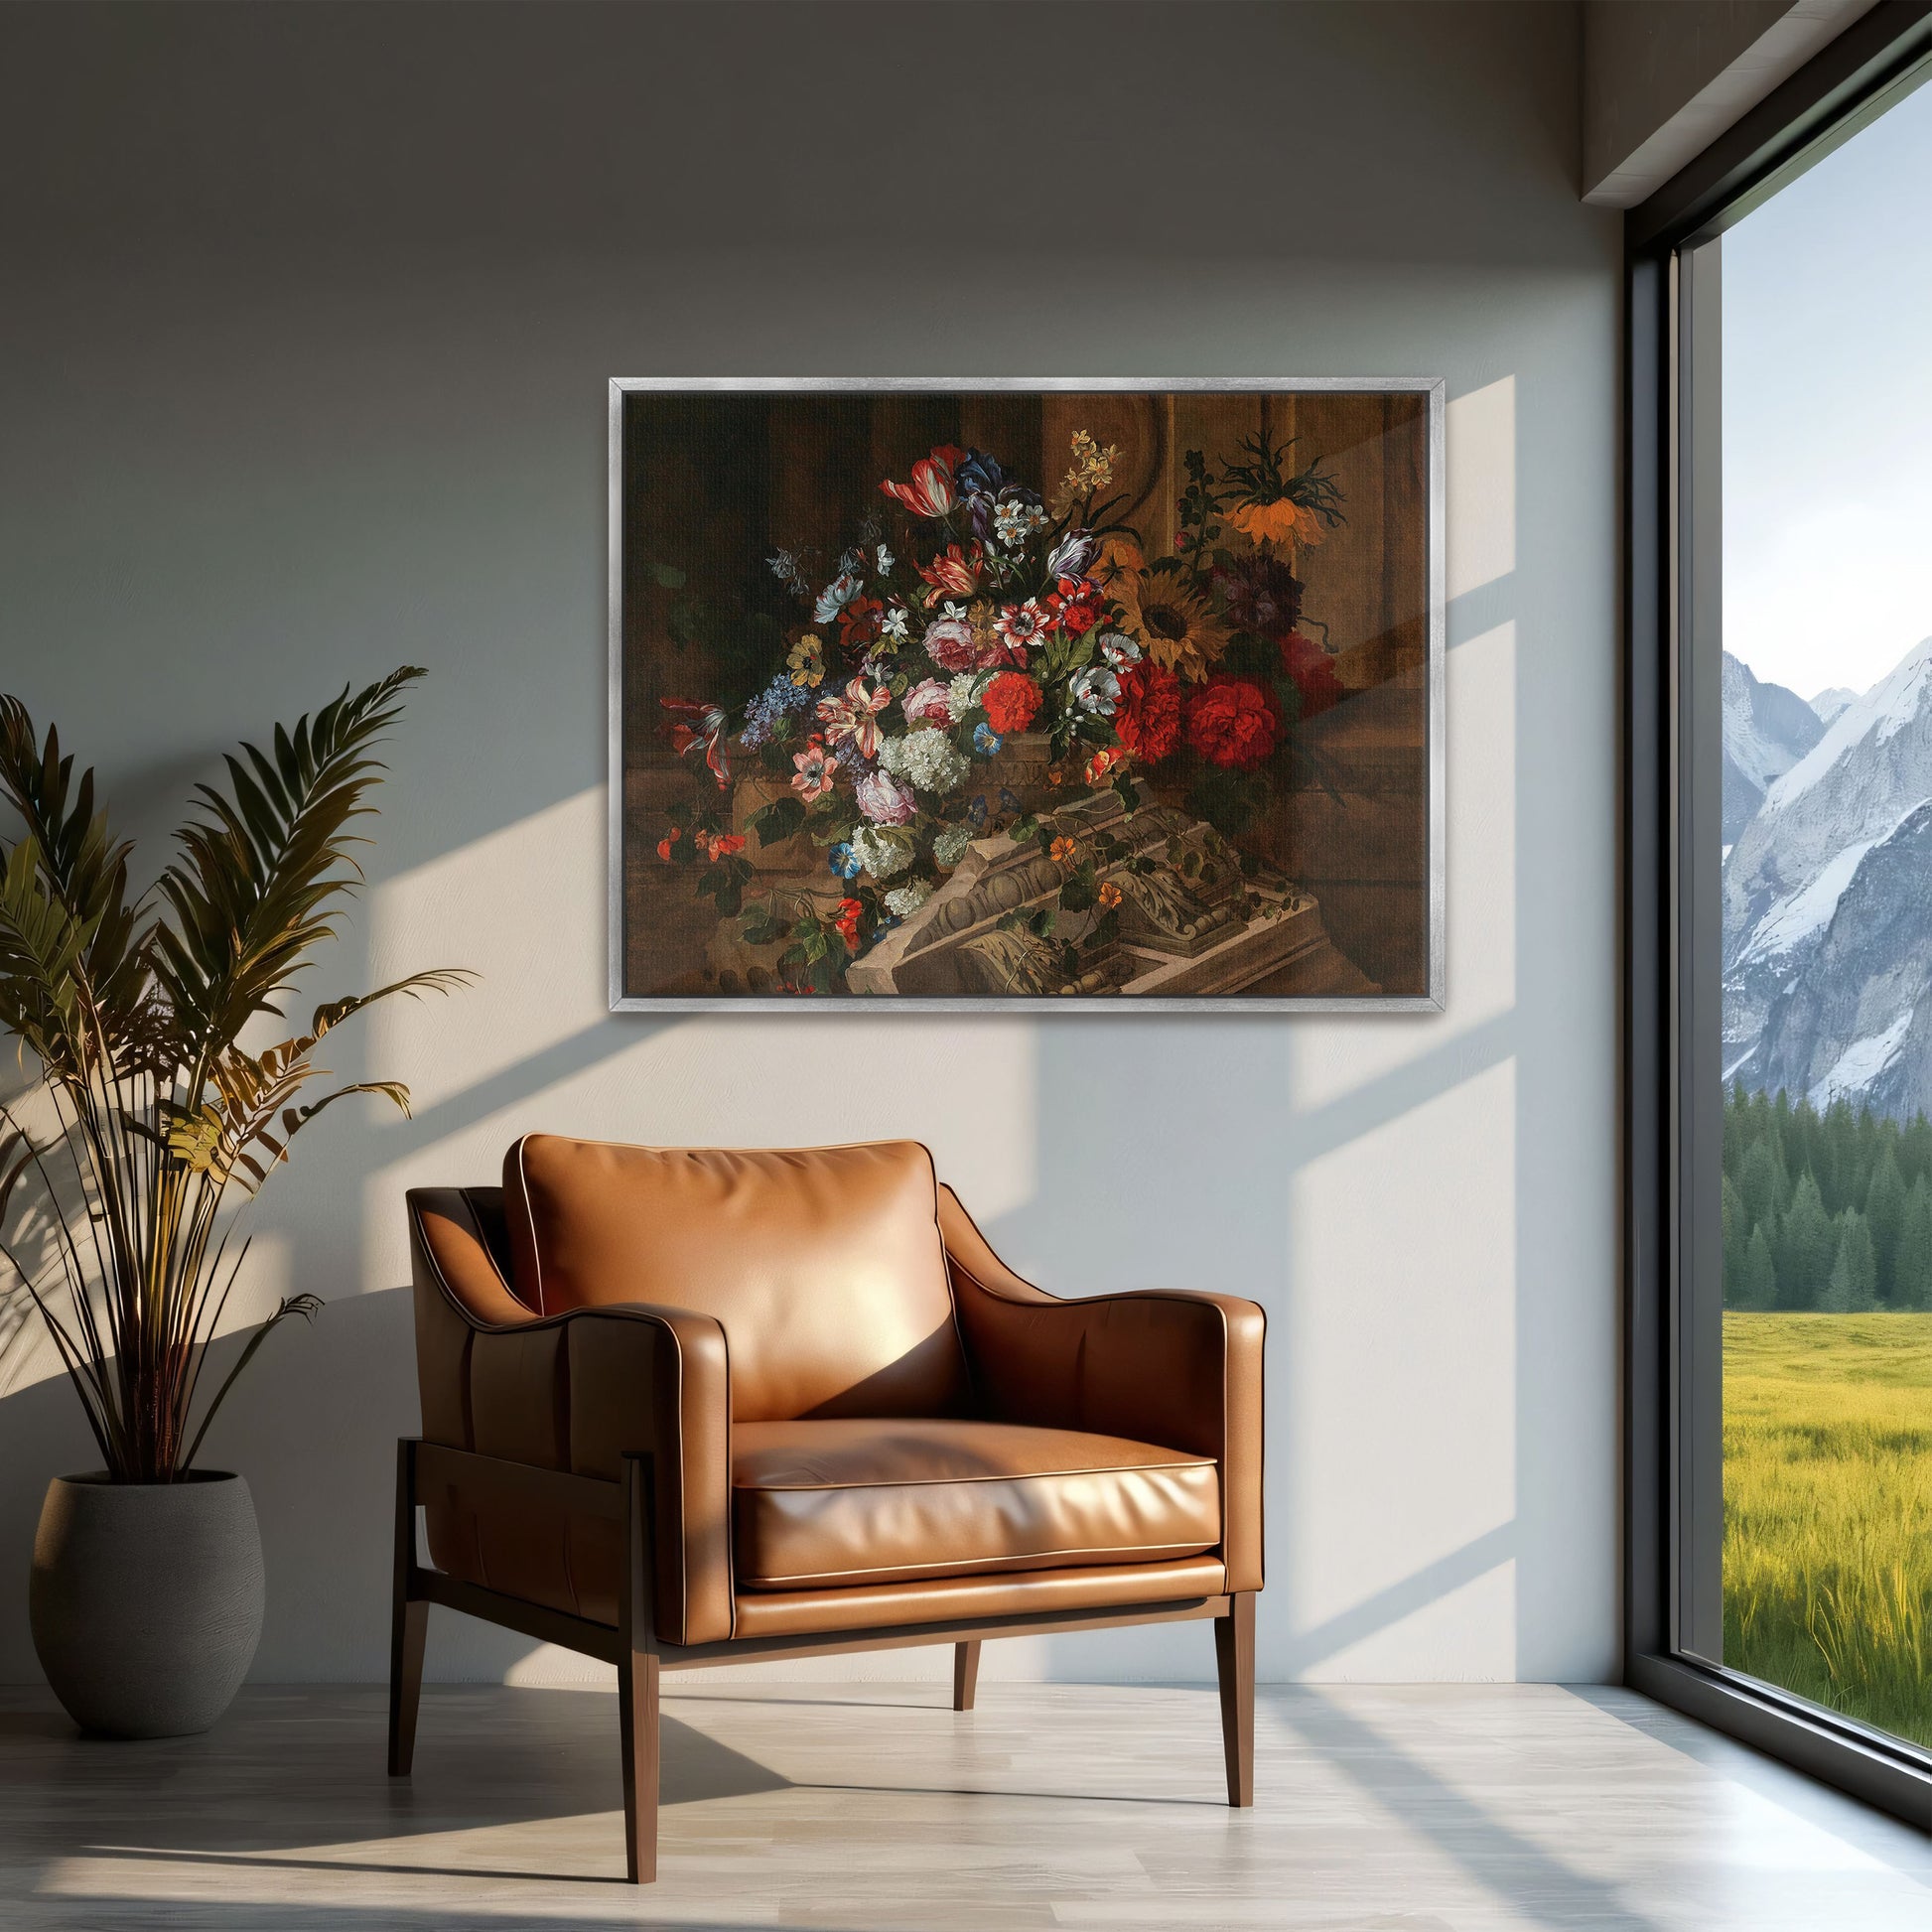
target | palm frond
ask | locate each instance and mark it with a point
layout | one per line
(83, 865)
(261, 874)
(134, 1012)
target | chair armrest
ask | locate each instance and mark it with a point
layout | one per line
(1156, 1365)
(614, 1355)
(576, 1391)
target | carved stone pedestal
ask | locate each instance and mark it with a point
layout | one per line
(1194, 924)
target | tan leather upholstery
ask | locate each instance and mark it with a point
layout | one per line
(719, 1309)
(1035, 1593)
(823, 1265)
(574, 1392)
(817, 1504)
(1165, 1366)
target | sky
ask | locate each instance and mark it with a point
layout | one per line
(1828, 413)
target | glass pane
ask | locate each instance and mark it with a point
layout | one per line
(1827, 920)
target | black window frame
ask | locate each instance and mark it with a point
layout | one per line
(1673, 1495)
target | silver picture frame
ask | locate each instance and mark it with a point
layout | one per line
(1433, 1001)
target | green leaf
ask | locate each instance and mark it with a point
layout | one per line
(778, 820)
(1128, 793)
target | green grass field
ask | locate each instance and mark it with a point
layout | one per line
(1827, 1510)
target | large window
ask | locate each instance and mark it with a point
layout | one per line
(1780, 1573)
(1826, 927)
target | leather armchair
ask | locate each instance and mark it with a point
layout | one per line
(697, 1406)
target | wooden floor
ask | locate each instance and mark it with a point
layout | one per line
(1482, 1809)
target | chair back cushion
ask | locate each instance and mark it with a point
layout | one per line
(825, 1266)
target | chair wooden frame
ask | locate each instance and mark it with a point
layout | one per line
(640, 1656)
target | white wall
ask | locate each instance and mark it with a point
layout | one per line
(302, 365)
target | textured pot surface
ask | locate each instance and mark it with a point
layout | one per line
(146, 1600)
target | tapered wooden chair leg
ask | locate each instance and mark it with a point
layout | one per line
(1234, 1657)
(638, 1724)
(637, 1671)
(408, 1625)
(965, 1673)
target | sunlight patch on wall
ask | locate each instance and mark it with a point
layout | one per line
(524, 908)
(1480, 458)
(1400, 1451)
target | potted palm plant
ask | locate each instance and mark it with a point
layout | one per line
(162, 1086)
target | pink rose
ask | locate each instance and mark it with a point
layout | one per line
(884, 800)
(951, 645)
(928, 700)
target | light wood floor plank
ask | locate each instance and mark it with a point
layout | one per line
(855, 1808)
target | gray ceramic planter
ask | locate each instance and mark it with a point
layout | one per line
(147, 1600)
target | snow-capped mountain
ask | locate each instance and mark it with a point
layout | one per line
(1766, 730)
(1827, 908)
(1856, 1022)
(1828, 704)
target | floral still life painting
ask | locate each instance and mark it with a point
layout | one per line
(1025, 694)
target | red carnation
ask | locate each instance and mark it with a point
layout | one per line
(1233, 722)
(1011, 701)
(1313, 672)
(1149, 717)
(1075, 605)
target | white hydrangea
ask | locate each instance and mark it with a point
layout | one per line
(949, 847)
(909, 897)
(881, 850)
(925, 757)
(966, 690)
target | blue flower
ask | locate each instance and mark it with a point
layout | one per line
(979, 474)
(845, 863)
(776, 700)
(986, 740)
(976, 811)
(986, 491)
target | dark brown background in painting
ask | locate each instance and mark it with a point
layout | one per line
(714, 480)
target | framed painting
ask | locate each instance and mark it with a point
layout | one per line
(1018, 694)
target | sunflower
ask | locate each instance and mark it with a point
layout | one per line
(1173, 618)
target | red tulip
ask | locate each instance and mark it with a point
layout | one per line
(932, 492)
(699, 727)
(953, 573)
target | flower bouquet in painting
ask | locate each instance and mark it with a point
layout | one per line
(1017, 736)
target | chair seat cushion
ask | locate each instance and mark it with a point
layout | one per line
(828, 1503)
